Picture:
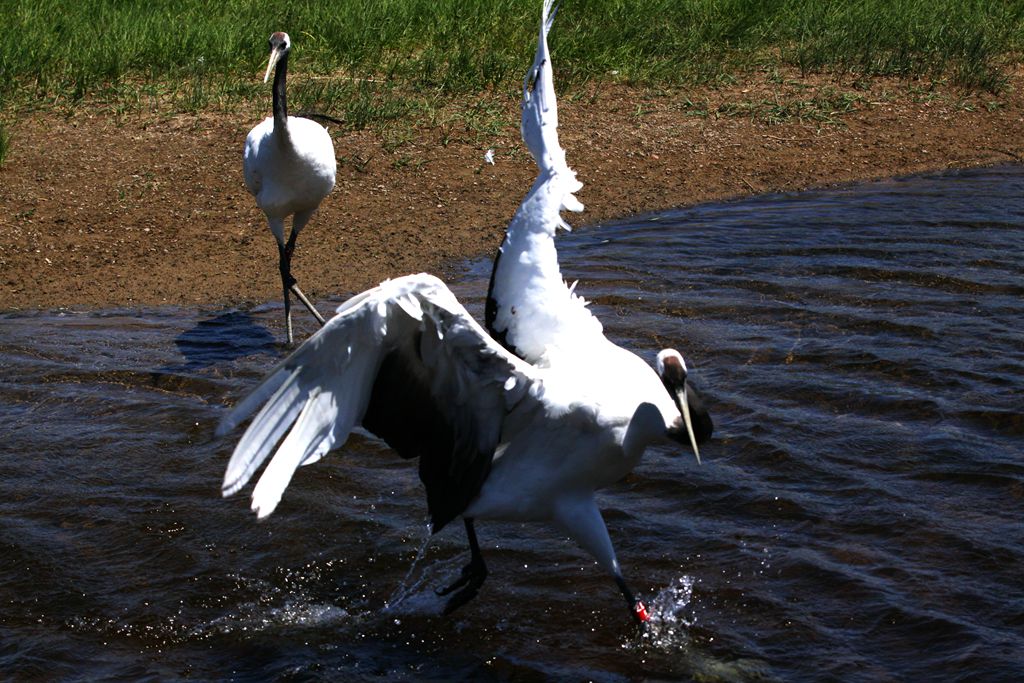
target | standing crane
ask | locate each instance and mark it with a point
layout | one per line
(289, 167)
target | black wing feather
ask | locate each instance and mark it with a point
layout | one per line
(403, 412)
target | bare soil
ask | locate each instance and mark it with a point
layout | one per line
(98, 210)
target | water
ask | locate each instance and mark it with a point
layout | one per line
(858, 516)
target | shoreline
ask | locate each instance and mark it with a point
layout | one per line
(145, 210)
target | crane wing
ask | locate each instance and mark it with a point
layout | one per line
(530, 309)
(407, 362)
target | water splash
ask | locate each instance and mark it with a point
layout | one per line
(672, 615)
(407, 587)
(669, 632)
(249, 605)
(255, 617)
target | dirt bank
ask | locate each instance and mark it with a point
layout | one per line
(104, 211)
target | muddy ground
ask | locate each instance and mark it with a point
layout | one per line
(98, 210)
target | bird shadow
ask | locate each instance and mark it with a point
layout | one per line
(223, 338)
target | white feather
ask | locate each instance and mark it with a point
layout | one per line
(540, 317)
(288, 176)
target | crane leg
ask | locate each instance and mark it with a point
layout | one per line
(636, 607)
(291, 285)
(472, 577)
(287, 281)
(582, 520)
(307, 303)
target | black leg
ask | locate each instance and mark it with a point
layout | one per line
(636, 607)
(289, 250)
(291, 285)
(472, 577)
(285, 257)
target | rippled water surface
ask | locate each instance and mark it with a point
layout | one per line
(857, 517)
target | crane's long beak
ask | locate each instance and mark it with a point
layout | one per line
(684, 404)
(696, 419)
(275, 55)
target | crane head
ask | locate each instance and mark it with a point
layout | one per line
(694, 416)
(280, 43)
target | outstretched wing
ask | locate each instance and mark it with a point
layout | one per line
(407, 362)
(529, 308)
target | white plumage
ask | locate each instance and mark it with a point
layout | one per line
(523, 421)
(289, 168)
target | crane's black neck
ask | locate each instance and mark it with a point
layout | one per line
(280, 99)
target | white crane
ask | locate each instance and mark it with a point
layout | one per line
(522, 423)
(289, 167)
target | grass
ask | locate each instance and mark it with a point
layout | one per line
(826, 106)
(969, 42)
(5, 143)
(379, 60)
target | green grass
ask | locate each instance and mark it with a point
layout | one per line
(825, 106)
(969, 42)
(375, 60)
(5, 143)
